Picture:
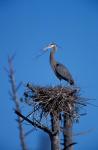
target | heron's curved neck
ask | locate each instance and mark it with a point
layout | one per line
(52, 59)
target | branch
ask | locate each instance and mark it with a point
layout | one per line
(16, 101)
(70, 145)
(38, 125)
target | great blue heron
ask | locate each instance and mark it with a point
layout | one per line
(59, 69)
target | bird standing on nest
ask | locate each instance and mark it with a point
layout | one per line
(59, 69)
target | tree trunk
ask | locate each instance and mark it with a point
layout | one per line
(68, 134)
(55, 140)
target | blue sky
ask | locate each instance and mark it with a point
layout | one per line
(25, 28)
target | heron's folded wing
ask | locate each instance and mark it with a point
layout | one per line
(63, 71)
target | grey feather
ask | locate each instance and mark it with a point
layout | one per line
(63, 73)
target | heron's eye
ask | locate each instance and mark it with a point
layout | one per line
(51, 44)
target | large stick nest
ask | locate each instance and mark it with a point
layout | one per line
(54, 100)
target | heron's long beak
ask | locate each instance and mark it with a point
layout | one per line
(46, 48)
(43, 51)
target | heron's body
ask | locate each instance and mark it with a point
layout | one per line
(59, 69)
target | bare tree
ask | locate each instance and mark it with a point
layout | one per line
(15, 98)
(60, 106)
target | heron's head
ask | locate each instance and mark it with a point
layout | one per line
(51, 45)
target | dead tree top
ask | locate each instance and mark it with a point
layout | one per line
(54, 100)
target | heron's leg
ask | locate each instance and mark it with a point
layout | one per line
(61, 83)
(67, 84)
